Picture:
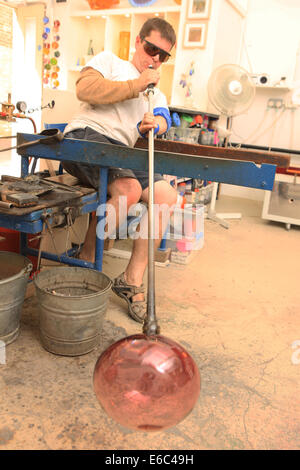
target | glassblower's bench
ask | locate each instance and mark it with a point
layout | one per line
(240, 167)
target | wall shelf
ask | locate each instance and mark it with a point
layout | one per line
(126, 11)
(103, 28)
(183, 110)
(272, 87)
(77, 68)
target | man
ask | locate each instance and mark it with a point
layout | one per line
(114, 110)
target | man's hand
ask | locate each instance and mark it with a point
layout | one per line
(148, 122)
(147, 77)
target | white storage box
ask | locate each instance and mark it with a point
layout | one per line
(185, 244)
(187, 222)
(188, 135)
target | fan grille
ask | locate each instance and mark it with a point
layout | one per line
(231, 89)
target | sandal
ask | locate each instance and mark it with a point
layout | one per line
(77, 249)
(136, 309)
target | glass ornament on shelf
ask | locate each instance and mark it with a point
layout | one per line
(90, 48)
(102, 4)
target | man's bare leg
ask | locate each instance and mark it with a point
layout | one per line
(128, 187)
(164, 194)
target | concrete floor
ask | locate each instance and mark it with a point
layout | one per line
(235, 308)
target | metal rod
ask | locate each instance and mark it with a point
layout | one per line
(5, 204)
(151, 327)
(102, 201)
(40, 246)
(269, 149)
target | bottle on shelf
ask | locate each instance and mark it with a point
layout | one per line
(90, 48)
(181, 188)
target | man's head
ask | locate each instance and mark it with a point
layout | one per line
(153, 44)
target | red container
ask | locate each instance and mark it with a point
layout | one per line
(102, 4)
(9, 240)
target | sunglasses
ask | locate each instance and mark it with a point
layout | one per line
(153, 50)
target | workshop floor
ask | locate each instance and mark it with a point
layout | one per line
(235, 308)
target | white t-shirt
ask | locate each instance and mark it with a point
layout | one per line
(118, 120)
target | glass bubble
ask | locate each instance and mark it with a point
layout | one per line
(56, 83)
(45, 35)
(46, 19)
(55, 45)
(53, 61)
(54, 75)
(57, 53)
(146, 383)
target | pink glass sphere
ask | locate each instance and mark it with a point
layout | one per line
(146, 383)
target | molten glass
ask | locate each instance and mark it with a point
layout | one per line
(146, 383)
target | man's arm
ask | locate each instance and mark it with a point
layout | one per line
(93, 88)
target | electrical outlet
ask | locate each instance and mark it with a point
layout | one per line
(291, 106)
(275, 103)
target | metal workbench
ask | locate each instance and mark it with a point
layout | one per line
(194, 161)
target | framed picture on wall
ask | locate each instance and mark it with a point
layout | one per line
(240, 6)
(198, 9)
(195, 35)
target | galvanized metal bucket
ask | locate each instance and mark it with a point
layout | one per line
(14, 273)
(72, 302)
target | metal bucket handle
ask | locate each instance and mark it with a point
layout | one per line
(24, 271)
(28, 268)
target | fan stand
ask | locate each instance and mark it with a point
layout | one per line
(211, 213)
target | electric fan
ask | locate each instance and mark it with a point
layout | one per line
(231, 91)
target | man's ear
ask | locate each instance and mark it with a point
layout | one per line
(137, 40)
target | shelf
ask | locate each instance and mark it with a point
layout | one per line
(76, 68)
(283, 88)
(126, 11)
(104, 26)
(178, 109)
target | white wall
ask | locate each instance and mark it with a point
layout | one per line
(202, 58)
(265, 42)
(271, 42)
(272, 37)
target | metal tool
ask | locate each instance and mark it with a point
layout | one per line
(150, 326)
(50, 136)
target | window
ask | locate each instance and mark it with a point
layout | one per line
(6, 39)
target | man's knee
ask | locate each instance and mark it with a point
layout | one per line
(164, 193)
(126, 187)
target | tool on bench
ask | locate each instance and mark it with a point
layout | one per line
(21, 192)
(49, 136)
(24, 192)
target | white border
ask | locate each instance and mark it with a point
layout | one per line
(188, 43)
(204, 15)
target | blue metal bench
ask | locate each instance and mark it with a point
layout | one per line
(103, 156)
